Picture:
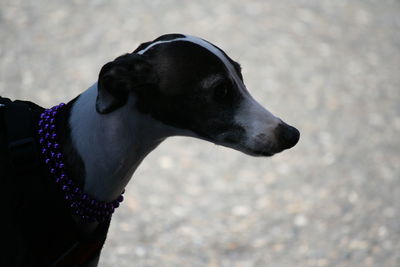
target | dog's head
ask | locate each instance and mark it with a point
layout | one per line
(192, 85)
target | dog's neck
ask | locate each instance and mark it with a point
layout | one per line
(111, 145)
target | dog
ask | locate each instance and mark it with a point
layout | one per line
(65, 168)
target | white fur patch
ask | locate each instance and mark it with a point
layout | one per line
(112, 145)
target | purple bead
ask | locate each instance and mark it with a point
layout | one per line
(77, 190)
(46, 126)
(52, 120)
(59, 155)
(52, 127)
(47, 161)
(47, 135)
(41, 141)
(60, 179)
(63, 176)
(61, 166)
(52, 170)
(84, 197)
(65, 188)
(40, 132)
(74, 205)
(49, 144)
(120, 198)
(44, 150)
(56, 146)
(54, 136)
(116, 204)
(78, 212)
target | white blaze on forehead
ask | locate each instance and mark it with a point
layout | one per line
(192, 39)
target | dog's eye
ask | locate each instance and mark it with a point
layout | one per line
(221, 92)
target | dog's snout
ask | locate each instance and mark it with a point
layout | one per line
(287, 135)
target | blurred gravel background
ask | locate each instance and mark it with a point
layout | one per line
(331, 68)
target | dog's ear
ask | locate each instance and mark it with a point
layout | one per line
(120, 77)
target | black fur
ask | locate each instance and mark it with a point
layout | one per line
(74, 163)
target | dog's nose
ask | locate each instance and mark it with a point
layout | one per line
(287, 135)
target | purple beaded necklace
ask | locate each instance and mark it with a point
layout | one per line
(81, 204)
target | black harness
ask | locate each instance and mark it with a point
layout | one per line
(38, 229)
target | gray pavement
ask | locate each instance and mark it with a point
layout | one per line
(332, 68)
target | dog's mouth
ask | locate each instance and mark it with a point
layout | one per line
(267, 150)
(262, 145)
(259, 153)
